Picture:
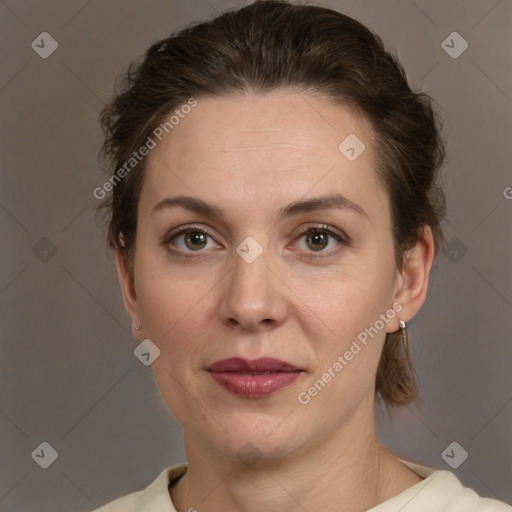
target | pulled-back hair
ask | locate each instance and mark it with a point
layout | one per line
(270, 45)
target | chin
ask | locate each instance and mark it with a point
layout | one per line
(255, 436)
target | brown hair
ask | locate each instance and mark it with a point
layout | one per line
(274, 44)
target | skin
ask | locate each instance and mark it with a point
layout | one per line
(251, 155)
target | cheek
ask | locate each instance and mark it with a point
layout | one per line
(345, 303)
(169, 305)
(347, 357)
(173, 313)
(176, 311)
(350, 335)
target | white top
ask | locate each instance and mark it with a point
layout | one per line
(440, 491)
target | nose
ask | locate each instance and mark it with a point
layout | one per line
(254, 295)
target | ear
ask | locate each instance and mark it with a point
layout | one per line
(127, 286)
(412, 279)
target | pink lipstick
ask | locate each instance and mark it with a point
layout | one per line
(253, 379)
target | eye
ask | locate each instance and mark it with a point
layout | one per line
(190, 239)
(319, 238)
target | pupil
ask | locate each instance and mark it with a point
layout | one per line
(318, 239)
(195, 238)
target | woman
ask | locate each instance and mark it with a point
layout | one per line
(275, 214)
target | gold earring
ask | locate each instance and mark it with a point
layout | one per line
(405, 339)
(137, 327)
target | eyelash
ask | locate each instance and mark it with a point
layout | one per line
(342, 239)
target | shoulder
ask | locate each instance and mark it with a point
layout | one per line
(454, 497)
(154, 498)
(440, 491)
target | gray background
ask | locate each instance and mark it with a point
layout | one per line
(68, 375)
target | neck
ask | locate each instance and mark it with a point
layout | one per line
(346, 471)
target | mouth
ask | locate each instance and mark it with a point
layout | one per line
(254, 378)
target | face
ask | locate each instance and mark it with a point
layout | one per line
(278, 246)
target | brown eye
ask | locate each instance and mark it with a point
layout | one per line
(323, 241)
(317, 240)
(195, 240)
(190, 239)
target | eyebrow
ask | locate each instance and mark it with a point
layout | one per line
(208, 209)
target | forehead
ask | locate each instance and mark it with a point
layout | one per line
(273, 147)
(282, 118)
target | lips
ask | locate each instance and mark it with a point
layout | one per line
(261, 365)
(253, 378)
